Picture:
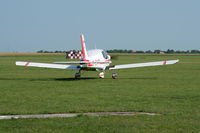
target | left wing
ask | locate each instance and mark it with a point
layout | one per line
(47, 65)
(158, 63)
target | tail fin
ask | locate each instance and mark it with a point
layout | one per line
(84, 50)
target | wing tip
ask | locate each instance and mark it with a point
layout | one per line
(21, 63)
(177, 60)
(17, 63)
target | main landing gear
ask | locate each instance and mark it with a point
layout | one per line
(77, 75)
(114, 75)
(102, 75)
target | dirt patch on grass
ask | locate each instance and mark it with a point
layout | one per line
(75, 115)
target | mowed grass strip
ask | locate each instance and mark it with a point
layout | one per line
(172, 91)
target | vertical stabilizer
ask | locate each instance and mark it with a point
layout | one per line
(84, 50)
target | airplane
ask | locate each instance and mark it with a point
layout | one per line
(93, 60)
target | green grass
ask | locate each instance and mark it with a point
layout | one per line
(173, 91)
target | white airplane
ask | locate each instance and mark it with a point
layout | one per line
(93, 60)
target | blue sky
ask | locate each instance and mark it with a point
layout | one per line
(32, 25)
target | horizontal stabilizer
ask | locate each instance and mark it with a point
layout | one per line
(158, 63)
(81, 62)
(47, 65)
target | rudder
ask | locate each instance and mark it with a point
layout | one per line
(84, 50)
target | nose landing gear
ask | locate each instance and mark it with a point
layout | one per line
(101, 75)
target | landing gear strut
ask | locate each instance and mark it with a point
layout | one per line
(77, 75)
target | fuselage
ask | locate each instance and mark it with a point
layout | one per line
(100, 57)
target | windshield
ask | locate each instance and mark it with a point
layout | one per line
(105, 54)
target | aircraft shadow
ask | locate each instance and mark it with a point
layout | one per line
(83, 78)
(142, 78)
(87, 78)
(73, 79)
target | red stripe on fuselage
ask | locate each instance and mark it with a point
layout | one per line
(93, 64)
(90, 64)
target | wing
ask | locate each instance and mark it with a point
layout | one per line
(47, 65)
(158, 63)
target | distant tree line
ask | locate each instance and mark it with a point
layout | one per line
(45, 51)
(157, 51)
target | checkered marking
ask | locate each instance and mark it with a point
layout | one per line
(74, 55)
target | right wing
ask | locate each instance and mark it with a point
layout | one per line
(158, 63)
(47, 65)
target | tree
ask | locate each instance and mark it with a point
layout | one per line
(157, 51)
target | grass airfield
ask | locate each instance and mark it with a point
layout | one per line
(172, 91)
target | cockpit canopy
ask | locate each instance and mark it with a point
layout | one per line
(105, 54)
(102, 54)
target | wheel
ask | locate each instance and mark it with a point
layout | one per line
(77, 75)
(101, 75)
(114, 75)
